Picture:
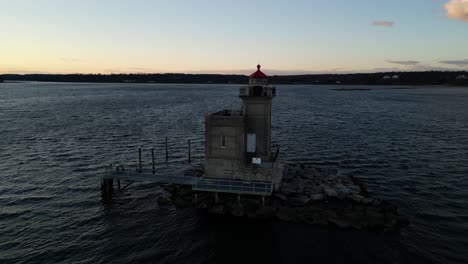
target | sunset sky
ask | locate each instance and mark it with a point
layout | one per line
(286, 37)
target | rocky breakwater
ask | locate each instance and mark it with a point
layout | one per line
(312, 195)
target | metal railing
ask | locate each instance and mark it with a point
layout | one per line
(268, 91)
(197, 183)
(233, 186)
(239, 118)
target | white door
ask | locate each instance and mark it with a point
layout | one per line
(251, 142)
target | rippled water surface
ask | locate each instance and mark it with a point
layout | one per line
(409, 145)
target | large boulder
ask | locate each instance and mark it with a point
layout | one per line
(281, 196)
(237, 210)
(182, 202)
(311, 172)
(266, 212)
(367, 201)
(217, 209)
(163, 201)
(329, 192)
(316, 197)
(286, 213)
(339, 222)
(342, 190)
(299, 200)
(357, 198)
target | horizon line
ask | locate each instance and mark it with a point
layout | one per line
(241, 74)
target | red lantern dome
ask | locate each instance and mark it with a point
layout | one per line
(258, 73)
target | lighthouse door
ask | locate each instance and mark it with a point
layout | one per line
(251, 142)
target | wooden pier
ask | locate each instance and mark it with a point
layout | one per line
(116, 174)
(120, 173)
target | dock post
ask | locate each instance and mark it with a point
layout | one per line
(110, 188)
(152, 159)
(167, 155)
(102, 189)
(139, 159)
(118, 185)
(195, 198)
(216, 197)
(238, 198)
(107, 188)
(263, 201)
(189, 158)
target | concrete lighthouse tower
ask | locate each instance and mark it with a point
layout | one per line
(257, 99)
(238, 142)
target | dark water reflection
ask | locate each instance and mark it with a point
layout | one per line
(409, 145)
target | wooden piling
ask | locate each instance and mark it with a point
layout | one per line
(107, 189)
(167, 154)
(110, 188)
(189, 156)
(102, 188)
(118, 184)
(152, 159)
(139, 159)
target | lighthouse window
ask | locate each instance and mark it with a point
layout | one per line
(257, 90)
(223, 141)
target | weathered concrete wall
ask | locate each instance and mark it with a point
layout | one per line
(223, 168)
(236, 170)
(258, 121)
(234, 132)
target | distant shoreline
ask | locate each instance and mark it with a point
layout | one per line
(336, 87)
(458, 78)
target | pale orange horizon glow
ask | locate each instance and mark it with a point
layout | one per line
(297, 37)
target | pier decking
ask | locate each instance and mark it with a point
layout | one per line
(197, 183)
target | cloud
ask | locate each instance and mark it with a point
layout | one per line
(405, 62)
(414, 65)
(64, 59)
(460, 63)
(429, 67)
(384, 69)
(118, 70)
(20, 71)
(383, 23)
(457, 9)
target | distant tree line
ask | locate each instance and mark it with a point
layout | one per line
(382, 78)
(132, 78)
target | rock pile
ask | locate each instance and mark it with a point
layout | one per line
(307, 194)
(319, 184)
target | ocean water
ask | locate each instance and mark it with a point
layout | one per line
(409, 144)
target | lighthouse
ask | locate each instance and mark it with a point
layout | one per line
(239, 156)
(238, 142)
(257, 99)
